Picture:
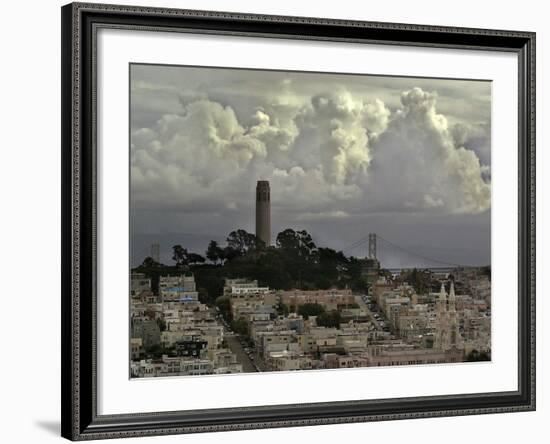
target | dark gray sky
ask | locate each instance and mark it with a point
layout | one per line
(407, 158)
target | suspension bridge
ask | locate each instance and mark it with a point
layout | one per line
(374, 241)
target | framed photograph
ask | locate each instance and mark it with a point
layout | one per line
(280, 221)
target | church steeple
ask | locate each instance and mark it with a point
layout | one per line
(443, 293)
(447, 334)
(441, 303)
(452, 297)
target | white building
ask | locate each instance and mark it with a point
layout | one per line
(178, 288)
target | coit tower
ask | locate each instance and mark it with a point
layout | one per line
(263, 212)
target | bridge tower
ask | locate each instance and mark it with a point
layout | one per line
(372, 245)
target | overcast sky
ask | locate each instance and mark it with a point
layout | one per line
(406, 158)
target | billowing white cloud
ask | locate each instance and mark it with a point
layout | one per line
(419, 165)
(334, 136)
(328, 155)
(377, 116)
(188, 157)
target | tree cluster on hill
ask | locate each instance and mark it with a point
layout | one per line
(295, 261)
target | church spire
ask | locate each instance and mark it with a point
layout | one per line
(442, 293)
(441, 303)
(452, 297)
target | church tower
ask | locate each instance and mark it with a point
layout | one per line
(455, 339)
(447, 335)
(452, 298)
(441, 333)
(441, 304)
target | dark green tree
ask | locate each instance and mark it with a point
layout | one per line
(310, 309)
(240, 242)
(224, 305)
(299, 243)
(299, 255)
(420, 280)
(149, 262)
(331, 319)
(194, 258)
(282, 309)
(240, 326)
(286, 240)
(180, 256)
(229, 254)
(214, 253)
(210, 281)
(332, 270)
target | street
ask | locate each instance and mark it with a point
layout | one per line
(361, 302)
(236, 347)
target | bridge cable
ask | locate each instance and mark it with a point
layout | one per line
(429, 259)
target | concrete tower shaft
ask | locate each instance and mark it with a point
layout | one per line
(263, 212)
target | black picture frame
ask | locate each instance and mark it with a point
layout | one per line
(80, 22)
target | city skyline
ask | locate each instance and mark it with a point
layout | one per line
(307, 221)
(345, 155)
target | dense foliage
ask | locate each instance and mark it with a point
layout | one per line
(294, 262)
(307, 310)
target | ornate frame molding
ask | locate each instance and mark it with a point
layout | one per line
(80, 22)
